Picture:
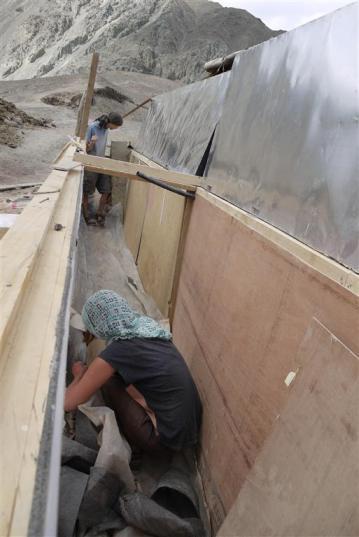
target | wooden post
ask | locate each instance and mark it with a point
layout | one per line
(86, 101)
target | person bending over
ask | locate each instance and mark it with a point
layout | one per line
(96, 139)
(139, 353)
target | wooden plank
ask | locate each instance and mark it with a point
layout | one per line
(20, 247)
(79, 114)
(118, 168)
(18, 186)
(65, 165)
(142, 159)
(136, 204)
(153, 226)
(61, 153)
(243, 306)
(306, 480)
(27, 359)
(159, 244)
(88, 96)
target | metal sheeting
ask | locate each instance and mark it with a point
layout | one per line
(180, 123)
(286, 148)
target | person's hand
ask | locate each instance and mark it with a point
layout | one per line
(88, 337)
(78, 369)
(93, 138)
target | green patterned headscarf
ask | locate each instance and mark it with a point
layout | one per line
(108, 316)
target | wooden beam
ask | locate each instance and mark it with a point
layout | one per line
(85, 112)
(136, 156)
(36, 260)
(65, 165)
(61, 153)
(18, 186)
(21, 245)
(119, 168)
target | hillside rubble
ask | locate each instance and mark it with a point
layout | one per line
(13, 122)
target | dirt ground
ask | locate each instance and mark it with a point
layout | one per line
(32, 143)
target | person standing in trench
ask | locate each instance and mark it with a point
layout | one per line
(139, 353)
(96, 139)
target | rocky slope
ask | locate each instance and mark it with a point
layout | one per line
(167, 38)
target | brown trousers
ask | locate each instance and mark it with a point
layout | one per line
(133, 420)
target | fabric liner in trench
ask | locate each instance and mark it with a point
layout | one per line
(99, 494)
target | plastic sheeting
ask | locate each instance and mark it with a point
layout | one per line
(115, 453)
(286, 148)
(180, 123)
(104, 262)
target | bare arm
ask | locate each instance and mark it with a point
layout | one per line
(90, 144)
(87, 382)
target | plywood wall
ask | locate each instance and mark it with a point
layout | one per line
(245, 303)
(159, 243)
(153, 223)
(135, 215)
(306, 479)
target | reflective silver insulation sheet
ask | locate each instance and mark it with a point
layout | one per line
(286, 148)
(180, 123)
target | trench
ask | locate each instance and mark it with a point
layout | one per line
(104, 490)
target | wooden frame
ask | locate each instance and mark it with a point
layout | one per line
(119, 168)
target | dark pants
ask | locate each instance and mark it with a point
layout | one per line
(132, 418)
(93, 180)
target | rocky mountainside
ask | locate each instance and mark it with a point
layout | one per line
(167, 38)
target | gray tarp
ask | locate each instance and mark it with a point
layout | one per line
(286, 148)
(287, 145)
(180, 123)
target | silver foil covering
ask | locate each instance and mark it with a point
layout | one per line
(286, 148)
(180, 123)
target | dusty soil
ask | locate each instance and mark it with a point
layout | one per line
(55, 100)
(13, 122)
